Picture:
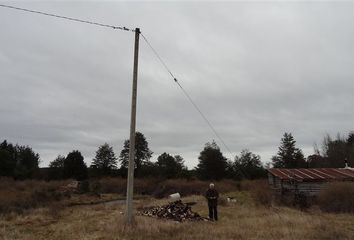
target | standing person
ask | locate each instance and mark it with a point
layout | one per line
(212, 195)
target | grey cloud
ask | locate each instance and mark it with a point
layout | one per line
(255, 69)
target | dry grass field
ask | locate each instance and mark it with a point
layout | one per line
(241, 220)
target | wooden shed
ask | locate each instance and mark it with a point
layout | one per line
(307, 181)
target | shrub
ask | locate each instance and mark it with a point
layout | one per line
(162, 188)
(337, 197)
(246, 185)
(112, 185)
(182, 186)
(191, 187)
(16, 196)
(84, 186)
(260, 192)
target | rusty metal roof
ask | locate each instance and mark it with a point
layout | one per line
(313, 174)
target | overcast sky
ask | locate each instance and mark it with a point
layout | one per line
(256, 70)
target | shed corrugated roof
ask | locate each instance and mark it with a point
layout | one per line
(313, 174)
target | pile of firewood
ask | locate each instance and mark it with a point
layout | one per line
(177, 211)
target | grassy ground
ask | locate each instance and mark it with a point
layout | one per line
(240, 220)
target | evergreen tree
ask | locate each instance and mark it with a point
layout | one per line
(27, 162)
(335, 151)
(105, 160)
(288, 155)
(74, 166)
(350, 139)
(316, 161)
(58, 162)
(7, 159)
(142, 153)
(212, 164)
(56, 168)
(169, 166)
(230, 171)
(248, 165)
(18, 161)
(350, 149)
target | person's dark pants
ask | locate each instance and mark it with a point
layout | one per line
(213, 212)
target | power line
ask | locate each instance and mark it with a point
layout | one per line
(158, 56)
(67, 18)
(145, 39)
(205, 118)
(187, 95)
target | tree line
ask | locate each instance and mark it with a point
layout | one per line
(333, 154)
(22, 162)
(17, 161)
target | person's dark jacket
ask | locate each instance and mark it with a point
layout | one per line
(212, 195)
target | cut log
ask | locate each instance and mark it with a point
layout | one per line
(177, 211)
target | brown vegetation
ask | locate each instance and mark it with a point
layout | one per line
(261, 192)
(161, 188)
(240, 220)
(337, 197)
(21, 195)
(17, 196)
(250, 216)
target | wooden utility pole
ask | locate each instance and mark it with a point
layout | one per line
(130, 182)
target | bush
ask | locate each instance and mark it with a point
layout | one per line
(84, 186)
(191, 187)
(260, 192)
(337, 197)
(111, 185)
(182, 186)
(162, 188)
(16, 196)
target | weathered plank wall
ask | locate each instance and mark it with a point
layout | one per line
(309, 188)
